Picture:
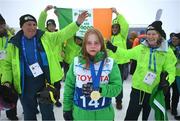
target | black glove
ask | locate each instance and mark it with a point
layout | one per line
(8, 94)
(67, 115)
(164, 85)
(87, 89)
(48, 95)
(110, 46)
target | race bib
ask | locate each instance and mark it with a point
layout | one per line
(2, 54)
(36, 69)
(149, 78)
(86, 103)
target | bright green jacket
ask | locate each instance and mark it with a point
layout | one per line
(42, 21)
(11, 66)
(71, 50)
(2, 47)
(41, 25)
(120, 39)
(165, 61)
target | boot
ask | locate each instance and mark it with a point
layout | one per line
(177, 117)
(119, 105)
(174, 112)
(12, 114)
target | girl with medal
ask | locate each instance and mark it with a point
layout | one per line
(153, 56)
(91, 82)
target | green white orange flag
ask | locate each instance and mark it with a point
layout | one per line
(99, 18)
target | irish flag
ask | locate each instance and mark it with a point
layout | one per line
(99, 18)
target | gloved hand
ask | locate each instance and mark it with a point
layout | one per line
(87, 89)
(8, 94)
(48, 95)
(67, 115)
(110, 46)
(164, 85)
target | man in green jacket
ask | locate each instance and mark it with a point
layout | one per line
(51, 27)
(31, 63)
(120, 30)
(5, 36)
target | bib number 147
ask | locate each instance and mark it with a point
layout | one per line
(94, 103)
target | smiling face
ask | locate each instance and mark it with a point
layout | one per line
(29, 28)
(93, 45)
(152, 37)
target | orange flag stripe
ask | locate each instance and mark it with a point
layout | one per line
(102, 20)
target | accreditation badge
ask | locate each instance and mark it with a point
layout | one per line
(149, 78)
(2, 54)
(36, 69)
(95, 95)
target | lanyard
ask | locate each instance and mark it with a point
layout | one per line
(96, 78)
(5, 46)
(24, 49)
(154, 59)
(112, 40)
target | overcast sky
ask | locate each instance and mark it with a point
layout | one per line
(137, 12)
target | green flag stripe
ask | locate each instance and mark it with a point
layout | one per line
(161, 107)
(64, 17)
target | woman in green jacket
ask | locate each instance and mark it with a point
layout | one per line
(153, 56)
(30, 63)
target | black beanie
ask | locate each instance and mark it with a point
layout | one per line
(25, 18)
(157, 25)
(50, 21)
(2, 21)
(177, 35)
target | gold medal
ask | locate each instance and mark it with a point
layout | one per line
(95, 95)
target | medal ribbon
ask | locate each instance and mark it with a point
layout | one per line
(96, 78)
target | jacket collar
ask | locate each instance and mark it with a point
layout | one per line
(16, 40)
(163, 47)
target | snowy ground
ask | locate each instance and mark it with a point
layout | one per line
(119, 114)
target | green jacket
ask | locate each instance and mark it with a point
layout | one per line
(11, 68)
(2, 46)
(111, 89)
(42, 21)
(71, 50)
(41, 25)
(165, 61)
(120, 40)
